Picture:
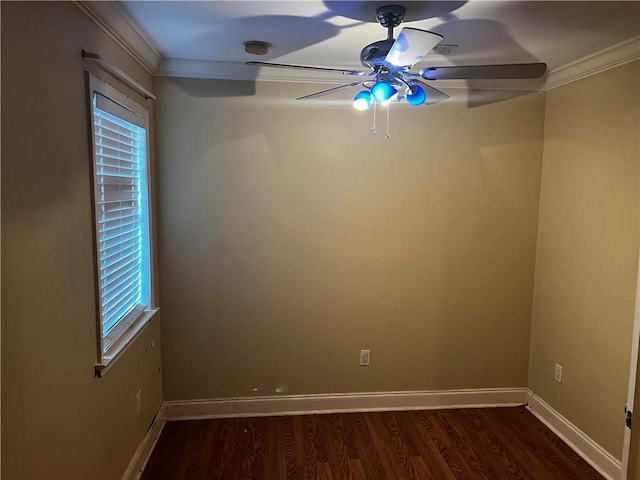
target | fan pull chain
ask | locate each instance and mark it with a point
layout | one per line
(374, 129)
(387, 134)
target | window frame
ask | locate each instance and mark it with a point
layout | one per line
(131, 324)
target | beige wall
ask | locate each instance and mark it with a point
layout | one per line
(587, 252)
(58, 420)
(292, 237)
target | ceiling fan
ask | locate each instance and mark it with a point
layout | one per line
(389, 61)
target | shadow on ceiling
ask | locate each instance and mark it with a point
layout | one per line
(458, 32)
(415, 11)
(463, 33)
(365, 11)
(296, 33)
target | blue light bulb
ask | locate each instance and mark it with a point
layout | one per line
(382, 91)
(416, 95)
(362, 100)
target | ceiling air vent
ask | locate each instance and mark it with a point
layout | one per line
(443, 49)
(255, 47)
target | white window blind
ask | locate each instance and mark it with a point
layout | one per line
(122, 225)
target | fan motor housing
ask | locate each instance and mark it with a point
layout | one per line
(374, 54)
(390, 15)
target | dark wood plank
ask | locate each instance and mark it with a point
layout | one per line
(298, 445)
(570, 463)
(465, 444)
(426, 449)
(196, 439)
(271, 452)
(244, 453)
(431, 423)
(527, 460)
(384, 445)
(216, 439)
(310, 451)
(482, 449)
(356, 472)
(287, 433)
(421, 469)
(161, 463)
(223, 467)
(258, 427)
(324, 471)
(403, 447)
(322, 450)
(368, 454)
(350, 441)
(337, 448)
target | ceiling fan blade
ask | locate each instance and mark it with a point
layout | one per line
(473, 72)
(328, 90)
(410, 47)
(305, 67)
(433, 94)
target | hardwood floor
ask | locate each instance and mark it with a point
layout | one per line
(483, 444)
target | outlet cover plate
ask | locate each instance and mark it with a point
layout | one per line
(365, 356)
(558, 373)
(138, 402)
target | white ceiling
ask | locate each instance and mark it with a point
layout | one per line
(206, 39)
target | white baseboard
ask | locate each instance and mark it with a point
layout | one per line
(593, 453)
(582, 444)
(343, 402)
(310, 404)
(143, 452)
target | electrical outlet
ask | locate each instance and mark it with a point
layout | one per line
(138, 402)
(365, 355)
(558, 374)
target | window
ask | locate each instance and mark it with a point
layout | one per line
(121, 202)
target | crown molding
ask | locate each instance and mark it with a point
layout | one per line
(116, 23)
(611, 57)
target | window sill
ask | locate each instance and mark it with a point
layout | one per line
(124, 342)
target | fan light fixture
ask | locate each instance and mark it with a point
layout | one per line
(416, 95)
(382, 91)
(362, 100)
(389, 77)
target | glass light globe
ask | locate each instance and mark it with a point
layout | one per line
(416, 95)
(362, 100)
(382, 91)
